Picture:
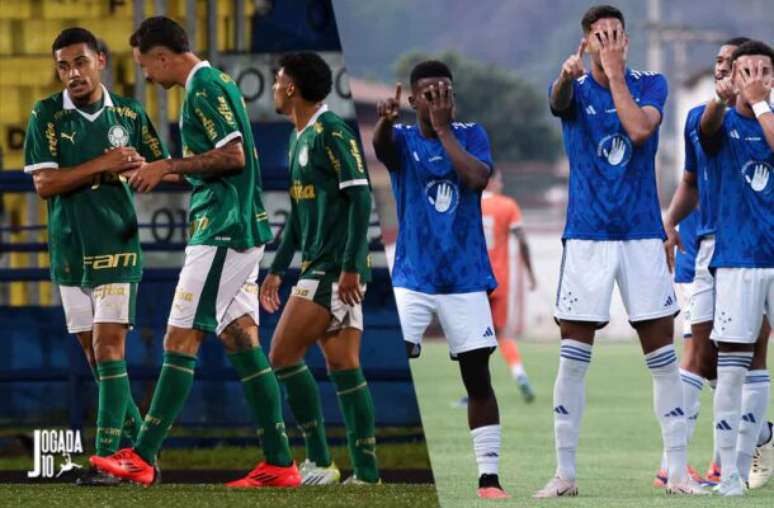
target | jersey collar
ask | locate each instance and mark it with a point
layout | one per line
(200, 65)
(322, 109)
(106, 102)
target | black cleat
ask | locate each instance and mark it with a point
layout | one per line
(93, 477)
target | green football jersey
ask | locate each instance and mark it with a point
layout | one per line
(226, 209)
(325, 166)
(92, 230)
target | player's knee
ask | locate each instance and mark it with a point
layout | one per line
(240, 335)
(182, 340)
(279, 357)
(339, 362)
(474, 366)
(108, 347)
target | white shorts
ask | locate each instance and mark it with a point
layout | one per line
(466, 318)
(591, 267)
(326, 293)
(217, 285)
(742, 297)
(684, 291)
(701, 304)
(108, 303)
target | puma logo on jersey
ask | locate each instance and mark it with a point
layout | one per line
(69, 137)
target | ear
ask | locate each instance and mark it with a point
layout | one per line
(101, 60)
(291, 89)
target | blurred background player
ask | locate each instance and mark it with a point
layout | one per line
(330, 210)
(438, 168)
(613, 235)
(78, 143)
(742, 140)
(699, 189)
(216, 290)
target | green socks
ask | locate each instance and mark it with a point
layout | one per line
(304, 400)
(358, 411)
(169, 397)
(113, 398)
(132, 420)
(263, 396)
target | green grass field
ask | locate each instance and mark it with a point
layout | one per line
(620, 443)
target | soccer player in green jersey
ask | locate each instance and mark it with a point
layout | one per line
(78, 142)
(330, 209)
(217, 290)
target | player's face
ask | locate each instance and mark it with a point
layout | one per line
(723, 62)
(78, 67)
(155, 66)
(420, 96)
(749, 63)
(282, 90)
(593, 44)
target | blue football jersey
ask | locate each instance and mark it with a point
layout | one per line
(612, 193)
(745, 220)
(707, 179)
(441, 247)
(685, 262)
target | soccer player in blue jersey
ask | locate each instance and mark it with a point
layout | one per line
(610, 119)
(742, 141)
(699, 187)
(438, 168)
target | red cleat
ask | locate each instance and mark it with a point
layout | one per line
(492, 493)
(267, 475)
(713, 474)
(128, 465)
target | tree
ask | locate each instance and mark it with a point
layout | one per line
(511, 110)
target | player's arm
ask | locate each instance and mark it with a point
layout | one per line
(562, 88)
(712, 119)
(279, 266)
(471, 170)
(526, 258)
(150, 145)
(384, 142)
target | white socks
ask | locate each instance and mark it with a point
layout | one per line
(668, 405)
(755, 402)
(569, 402)
(692, 386)
(732, 368)
(486, 445)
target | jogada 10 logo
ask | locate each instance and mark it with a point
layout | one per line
(52, 443)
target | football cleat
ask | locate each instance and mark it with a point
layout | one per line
(93, 477)
(312, 474)
(713, 475)
(127, 464)
(489, 487)
(661, 479)
(731, 486)
(526, 389)
(268, 475)
(354, 480)
(689, 487)
(762, 465)
(557, 487)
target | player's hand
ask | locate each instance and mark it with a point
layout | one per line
(614, 46)
(725, 89)
(270, 293)
(389, 109)
(149, 175)
(672, 241)
(441, 99)
(349, 288)
(572, 68)
(118, 160)
(755, 86)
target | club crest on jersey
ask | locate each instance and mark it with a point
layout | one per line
(615, 149)
(303, 155)
(118, 136)
(758, 175)
(443, 195)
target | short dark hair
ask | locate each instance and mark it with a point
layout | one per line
(598, 12)
(75, 35)
(429, 69)
(753, 48)
(309, 72)
(160, 31)
(736, 41)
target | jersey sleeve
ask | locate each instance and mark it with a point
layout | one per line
(40, 141)
(148, 142)
(654, 93)
(345, 156)
(478, 145)
(515, 221)
(690, 150)
(214, 116)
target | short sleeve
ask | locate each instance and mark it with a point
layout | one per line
(149, 144)
(40, 141)
(654, 92)
(515, 219)
(478, 145)
(690, 150)
(345, 156)
(215, 116)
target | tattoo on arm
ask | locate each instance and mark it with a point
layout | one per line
(229, 157)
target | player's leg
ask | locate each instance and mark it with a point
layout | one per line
(509, 350)
(740, 300)
(415, 312)
(466, 320)
(301, 324)
(755, 458)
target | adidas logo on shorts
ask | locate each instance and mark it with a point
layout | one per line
(488, 332)
(723, 425)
